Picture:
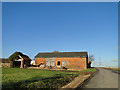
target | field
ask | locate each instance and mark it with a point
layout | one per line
(110, 68)
(33, 78)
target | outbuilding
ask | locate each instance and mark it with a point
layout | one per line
(19, 60)
(62, 59)
(4, 62)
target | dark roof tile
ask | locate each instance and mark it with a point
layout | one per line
(62, 54)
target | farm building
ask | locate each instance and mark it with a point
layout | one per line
(19, 60)
(62, 60)
(4, 62)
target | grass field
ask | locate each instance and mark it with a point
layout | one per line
(33, 78)
(110, 68)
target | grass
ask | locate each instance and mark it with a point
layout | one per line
(34, 78)
(89, 70)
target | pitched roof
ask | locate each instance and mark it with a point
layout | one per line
(62, 54)
(25, 57)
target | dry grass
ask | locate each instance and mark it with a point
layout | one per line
(110, 68)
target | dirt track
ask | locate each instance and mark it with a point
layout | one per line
(103, 79)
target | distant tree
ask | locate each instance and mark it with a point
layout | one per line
(91, 58)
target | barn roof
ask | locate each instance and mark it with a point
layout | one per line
(61, 54)
(16, 54)
(25, 57)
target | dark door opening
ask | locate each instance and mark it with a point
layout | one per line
(58, 63)
(17, 64)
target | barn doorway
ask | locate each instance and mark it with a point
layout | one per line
(58, 63)
(17, 64)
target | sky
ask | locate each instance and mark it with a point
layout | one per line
(61, 26)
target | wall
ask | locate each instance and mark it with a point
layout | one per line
(74, 61)
(38, 61)
(5, 64)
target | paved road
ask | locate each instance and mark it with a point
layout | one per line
(103, 79)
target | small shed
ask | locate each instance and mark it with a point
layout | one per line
(19, 60)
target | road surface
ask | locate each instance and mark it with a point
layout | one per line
(103, 79)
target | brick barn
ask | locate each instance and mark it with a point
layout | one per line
(62, 60)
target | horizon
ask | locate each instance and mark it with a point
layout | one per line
(31, 28)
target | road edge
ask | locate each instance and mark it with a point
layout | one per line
(87, 79)
(80, 80)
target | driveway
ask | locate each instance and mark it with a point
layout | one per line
(103, 79)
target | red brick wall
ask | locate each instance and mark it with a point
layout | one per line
(71, 61)
(38, 61)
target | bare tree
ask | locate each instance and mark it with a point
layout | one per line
(91, 58)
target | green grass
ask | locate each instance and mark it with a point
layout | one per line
(17, 76)
(89, 70)
(35, 78)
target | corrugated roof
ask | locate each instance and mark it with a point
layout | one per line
(61, 54)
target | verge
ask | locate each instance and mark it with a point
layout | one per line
(79, 81)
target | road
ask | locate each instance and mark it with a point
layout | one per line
(103, 79)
